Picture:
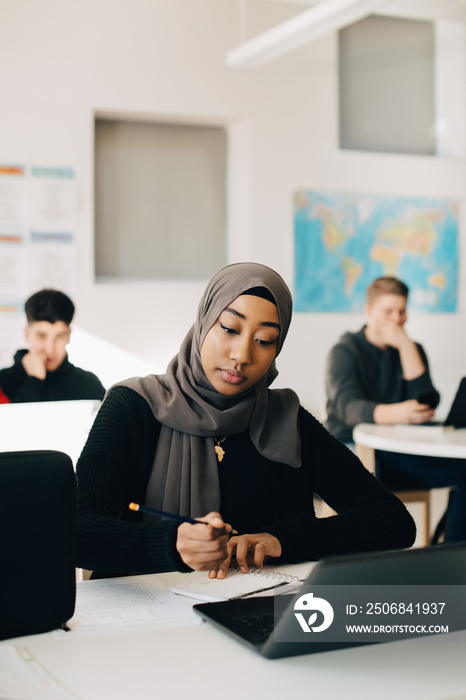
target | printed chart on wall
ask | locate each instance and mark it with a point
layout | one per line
(344, 241)
(37, 242)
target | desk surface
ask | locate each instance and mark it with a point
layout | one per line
(201, 661)
(47, 425)
(412, 439)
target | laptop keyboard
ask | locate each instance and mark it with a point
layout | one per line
(256, 628)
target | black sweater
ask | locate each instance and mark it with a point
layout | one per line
(257, 495)
(361, 375)
(65, 383)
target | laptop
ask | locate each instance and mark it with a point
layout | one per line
(256, 622)
(456, 417)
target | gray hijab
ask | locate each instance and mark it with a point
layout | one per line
(184, 477)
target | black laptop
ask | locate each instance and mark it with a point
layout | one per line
(257, 623)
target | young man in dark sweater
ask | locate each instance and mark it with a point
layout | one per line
(43, 372)
(380, 375)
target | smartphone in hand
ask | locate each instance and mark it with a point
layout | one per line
(428, 397)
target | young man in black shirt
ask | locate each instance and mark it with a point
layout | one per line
(43, 371)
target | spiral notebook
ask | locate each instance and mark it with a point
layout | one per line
(235, 585)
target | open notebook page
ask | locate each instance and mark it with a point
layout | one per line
(197, 584)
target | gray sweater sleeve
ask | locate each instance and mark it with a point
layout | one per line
(345, 392)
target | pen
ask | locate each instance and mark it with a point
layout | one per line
(164, 514)
(171, 516)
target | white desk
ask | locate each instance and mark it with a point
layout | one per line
(47, 425)
(412, 439)
(201, 662)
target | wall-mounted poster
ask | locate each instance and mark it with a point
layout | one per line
(344, 241)
(52, 229)
(13, 232)
(38, 214)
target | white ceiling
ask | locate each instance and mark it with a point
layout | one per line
(415, 9)
(309, 19)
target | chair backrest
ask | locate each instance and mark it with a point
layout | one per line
(37, 526)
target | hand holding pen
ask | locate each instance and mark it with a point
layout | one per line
(200, 548)
(248, 549)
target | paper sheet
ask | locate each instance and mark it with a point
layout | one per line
(107, 606)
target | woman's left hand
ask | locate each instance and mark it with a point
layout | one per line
(248, 550)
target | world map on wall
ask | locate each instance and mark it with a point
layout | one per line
(345, 241)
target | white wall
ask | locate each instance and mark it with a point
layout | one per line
(65, 60)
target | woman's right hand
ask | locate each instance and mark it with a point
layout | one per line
(203, 547)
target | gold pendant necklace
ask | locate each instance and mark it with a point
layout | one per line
(220, 452)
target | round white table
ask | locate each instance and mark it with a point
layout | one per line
(433, 441)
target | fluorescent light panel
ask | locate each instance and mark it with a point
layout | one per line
(329, 15)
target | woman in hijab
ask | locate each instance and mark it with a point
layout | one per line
(209, 440)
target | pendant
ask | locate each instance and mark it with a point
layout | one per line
(219, 452)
